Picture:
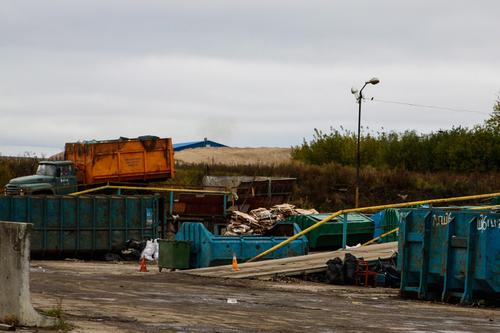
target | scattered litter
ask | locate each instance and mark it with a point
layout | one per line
(38, 269)
(132, 249)
(157, 250)
(112, 257)
(339, 272)
(232, 301)
(151, 251)
(260, 220)
(352, 270)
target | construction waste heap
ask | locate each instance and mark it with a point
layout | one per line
(260, 220)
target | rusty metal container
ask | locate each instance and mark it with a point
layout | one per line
(140, 159)
(254, 192)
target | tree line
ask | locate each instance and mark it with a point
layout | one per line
(458, 149)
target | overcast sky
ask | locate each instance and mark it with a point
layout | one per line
(244, 73)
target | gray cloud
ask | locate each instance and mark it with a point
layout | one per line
(260, 73)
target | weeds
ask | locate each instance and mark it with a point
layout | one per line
(58, 313)
(330, 187)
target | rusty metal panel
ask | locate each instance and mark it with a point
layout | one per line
(143, 158)
(254, 192)
(201, 204)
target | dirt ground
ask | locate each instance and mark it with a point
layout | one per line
(234, 156)
(114, 297)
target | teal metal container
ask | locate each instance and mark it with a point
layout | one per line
(450, 254)
(85, 224)
(173, 254)
(385, 221)
(329, 235)
(208, 249)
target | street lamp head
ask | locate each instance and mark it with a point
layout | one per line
(373, 80)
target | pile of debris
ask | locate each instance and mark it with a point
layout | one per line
(260, 220)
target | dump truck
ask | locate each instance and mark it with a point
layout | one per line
(52, 177)
(88, 163)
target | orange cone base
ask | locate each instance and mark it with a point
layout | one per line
(235, 264)
(143, 267)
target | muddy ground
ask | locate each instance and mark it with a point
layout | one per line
(113, 297)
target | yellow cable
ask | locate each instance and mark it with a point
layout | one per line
(372, 208)
(157, 189)
(379, 237)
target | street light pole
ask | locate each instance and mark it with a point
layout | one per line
(358, 154)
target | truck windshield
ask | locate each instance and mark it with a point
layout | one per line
(46, 170)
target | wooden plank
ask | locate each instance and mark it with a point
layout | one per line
(312, 263)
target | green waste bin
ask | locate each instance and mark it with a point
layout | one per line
(329, 235)
(173, 254)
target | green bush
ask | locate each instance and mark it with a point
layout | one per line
(459, 149)
(11, 167)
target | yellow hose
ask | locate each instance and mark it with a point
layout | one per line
(372, 208)
(158, 189)
(379, 237)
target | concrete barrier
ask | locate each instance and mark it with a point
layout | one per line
(15, 301)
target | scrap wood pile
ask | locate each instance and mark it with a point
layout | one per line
(260, 220)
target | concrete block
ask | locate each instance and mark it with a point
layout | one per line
(15, 297)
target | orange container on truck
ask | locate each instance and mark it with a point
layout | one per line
(145, 158)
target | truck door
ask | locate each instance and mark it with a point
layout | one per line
(66, 179)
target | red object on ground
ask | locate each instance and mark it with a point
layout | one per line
(143, 267)
(363, 273)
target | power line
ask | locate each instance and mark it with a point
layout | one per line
(427, 106)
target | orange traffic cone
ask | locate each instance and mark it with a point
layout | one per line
(143, 267)
(235, 263)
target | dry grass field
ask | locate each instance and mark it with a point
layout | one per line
(234, 156)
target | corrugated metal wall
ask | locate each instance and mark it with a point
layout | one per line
(86, 224)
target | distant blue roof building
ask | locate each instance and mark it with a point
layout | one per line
(196, 144)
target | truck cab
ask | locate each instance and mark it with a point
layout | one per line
(52, 177)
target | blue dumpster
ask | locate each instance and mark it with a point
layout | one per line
(208, 249)
(450, 254)
(385, 221)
